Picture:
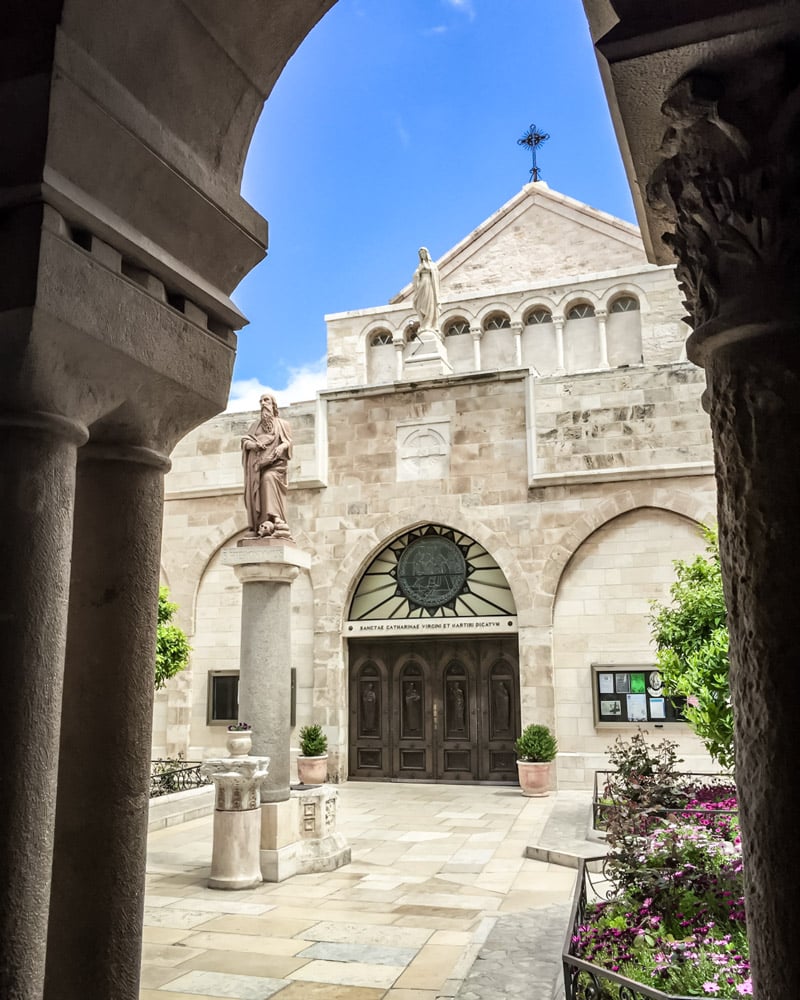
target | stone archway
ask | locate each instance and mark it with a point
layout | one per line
(434, 689)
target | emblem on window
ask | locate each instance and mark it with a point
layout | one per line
(431, 571)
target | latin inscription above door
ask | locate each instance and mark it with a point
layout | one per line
(434, 710)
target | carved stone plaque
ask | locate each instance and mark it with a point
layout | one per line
(423, 450)
(431, 571)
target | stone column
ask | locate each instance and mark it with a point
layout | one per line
(97, 901)
(601, 316)
(476, 333)
(399, 345)
(729, 180)
(37, 459)
(516, 329)
(558, 323)
(266, 571)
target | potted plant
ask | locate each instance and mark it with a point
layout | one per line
(240, 739)
(536, 749)
(312, 764)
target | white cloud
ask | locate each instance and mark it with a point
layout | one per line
(463, 6)
(303, 384)
(439, 29)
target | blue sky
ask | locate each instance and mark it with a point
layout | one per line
(395, 126)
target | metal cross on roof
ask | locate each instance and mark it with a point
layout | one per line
(533, 138)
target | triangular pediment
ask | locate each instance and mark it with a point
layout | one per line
(537, 236)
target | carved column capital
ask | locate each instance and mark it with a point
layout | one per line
(237, 782)
(727, 189)
(475, 332)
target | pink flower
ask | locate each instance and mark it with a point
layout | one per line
(745, 989)
(711, 987)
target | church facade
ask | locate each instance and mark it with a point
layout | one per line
(489, 517)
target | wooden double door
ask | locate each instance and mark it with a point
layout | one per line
(441, 710)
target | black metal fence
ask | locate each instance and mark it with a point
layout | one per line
(584, 980)
(167, 776)
(687, 781)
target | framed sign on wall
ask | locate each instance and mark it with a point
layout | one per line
(631, 693)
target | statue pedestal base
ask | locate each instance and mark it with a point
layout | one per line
(298, 835)
(426, 356)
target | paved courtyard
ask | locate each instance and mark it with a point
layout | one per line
(435, 869)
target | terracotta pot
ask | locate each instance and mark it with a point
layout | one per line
(239, 742)
(534, 777)
(312, 770)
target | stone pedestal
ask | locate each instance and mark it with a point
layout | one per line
(237, 821)
(266, 570)
(299, 835)
(426, 356)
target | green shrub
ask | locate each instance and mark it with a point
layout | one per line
(313, 742)
(536, 744)
(172, 646)
(691, 637)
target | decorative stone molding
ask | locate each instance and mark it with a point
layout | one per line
(727, 191)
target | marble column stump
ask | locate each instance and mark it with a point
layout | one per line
(235, 862)
(266, 569)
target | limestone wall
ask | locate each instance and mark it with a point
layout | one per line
(621, 417)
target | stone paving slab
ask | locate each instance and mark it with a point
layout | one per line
(225, 984)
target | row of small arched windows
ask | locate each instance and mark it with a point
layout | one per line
(537, 316)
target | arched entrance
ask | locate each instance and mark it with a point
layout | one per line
(434, 663)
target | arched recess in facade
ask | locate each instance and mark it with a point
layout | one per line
(434, 662)
(601, 632)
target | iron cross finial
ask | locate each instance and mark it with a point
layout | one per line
(533, 138)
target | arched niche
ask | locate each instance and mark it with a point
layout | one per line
(601, 616)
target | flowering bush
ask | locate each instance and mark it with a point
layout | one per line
(643, 790)
(239, 727)
(713, 807)
(677, 922)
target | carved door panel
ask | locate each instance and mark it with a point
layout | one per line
(370, 742)
(499, 710)
(413, 715)
(456, 716)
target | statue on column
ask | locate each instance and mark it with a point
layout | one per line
(426, 292)
(266, 450)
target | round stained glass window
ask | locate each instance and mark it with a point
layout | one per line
(431, 571)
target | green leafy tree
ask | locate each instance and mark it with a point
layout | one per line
(172, 646)
(691, 637)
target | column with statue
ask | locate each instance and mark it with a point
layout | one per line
(266, 561)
